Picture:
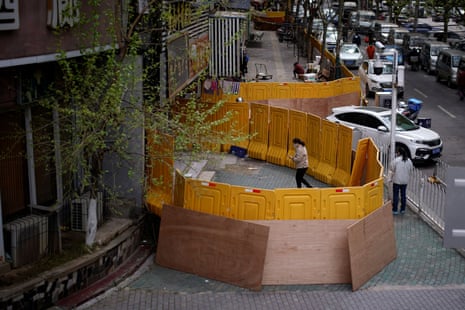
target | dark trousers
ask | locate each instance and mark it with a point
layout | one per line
(396, 189)
(299, 177)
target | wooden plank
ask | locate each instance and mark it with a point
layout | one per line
(372, 245)
(307, 252)
(211, 246)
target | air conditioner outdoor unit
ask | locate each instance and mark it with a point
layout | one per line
(27, 239)
(79, 211)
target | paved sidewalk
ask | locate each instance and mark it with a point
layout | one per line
(423, 276)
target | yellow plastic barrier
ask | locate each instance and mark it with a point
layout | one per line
(313, 142)
(252, 203)
(159, 171)
(297, 128)
(179, 187)
(298, 204)
(341, 176)
(259, 123)
(342, 203)
(277, 144)
(325, 169)
(287, 204)
(374, 192)
(238, 125)
(208, 197)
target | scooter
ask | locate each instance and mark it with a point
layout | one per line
(411, 109)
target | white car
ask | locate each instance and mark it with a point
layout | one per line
(421, 144)
(372, 82)
(350, 55)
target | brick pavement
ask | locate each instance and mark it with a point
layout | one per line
(423, 276)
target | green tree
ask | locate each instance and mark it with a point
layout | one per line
(97, 103)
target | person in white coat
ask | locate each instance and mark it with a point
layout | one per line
(301, 162)
(401, 167)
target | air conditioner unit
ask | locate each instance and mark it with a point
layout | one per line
(27, 239)
(80, 211)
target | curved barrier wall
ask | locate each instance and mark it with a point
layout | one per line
(272, 125)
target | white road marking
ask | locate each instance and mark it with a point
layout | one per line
(421, 93)
(447, 112)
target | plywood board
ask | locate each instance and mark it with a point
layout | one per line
(372, 245)
(211, 246)
(307, 252)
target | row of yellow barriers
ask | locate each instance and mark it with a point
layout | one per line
(245, 203)
(357, 180)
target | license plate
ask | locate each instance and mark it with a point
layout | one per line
(436, 151)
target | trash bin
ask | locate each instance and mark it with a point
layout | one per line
(424, 122)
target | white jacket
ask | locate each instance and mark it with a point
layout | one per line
(401, 170)
(300, 158)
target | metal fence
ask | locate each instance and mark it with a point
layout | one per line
(426, 192)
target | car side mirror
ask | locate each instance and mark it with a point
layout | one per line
(382, 128)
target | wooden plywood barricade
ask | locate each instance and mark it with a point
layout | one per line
(214, 247)
(252, 203)
(372, 245)
(277, 142)
(259, 123)
(307, 252)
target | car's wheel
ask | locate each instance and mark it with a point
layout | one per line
(438, 79)
(449, 83)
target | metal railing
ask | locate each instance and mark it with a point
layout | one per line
(425, 193)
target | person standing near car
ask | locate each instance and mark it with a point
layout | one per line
(300, 160)
(400, 170)
(371, 51)
(298, 70)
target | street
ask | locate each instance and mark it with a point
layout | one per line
(442, 105)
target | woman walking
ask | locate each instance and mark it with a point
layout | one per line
(400, 171)
(301, 162)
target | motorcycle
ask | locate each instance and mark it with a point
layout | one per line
(414, 59)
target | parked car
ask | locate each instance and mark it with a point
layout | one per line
(420, 143)
(400, 54)
(396, 36)
(459, 45)
(429, 54)
(362, 20)
(381, 30)
(419, 28)
(331, 38)
(372, 82)
(446, 66)
(450, 37)
(350, 55)
(412, 41)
